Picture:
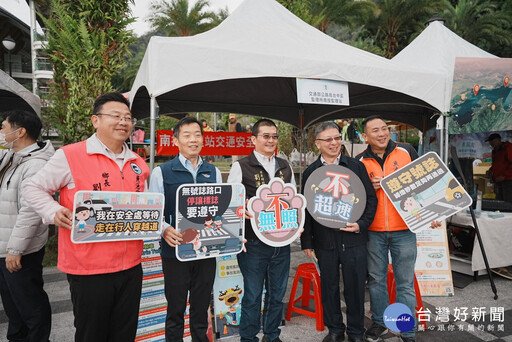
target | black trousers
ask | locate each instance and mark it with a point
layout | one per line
(181, 277)
(353, 269)
(25, 302)
(106, 306)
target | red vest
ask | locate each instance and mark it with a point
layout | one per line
(88, 171)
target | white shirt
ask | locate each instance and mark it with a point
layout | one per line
(269, 164)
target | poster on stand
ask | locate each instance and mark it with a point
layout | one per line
(153, 305)
(103, 216)
(433, 268)
(425, 191)
(210, 218)
(227, 296)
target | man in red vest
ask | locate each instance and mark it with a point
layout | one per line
(105, 279)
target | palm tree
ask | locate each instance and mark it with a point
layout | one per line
(176, 18)
(481, 22)
(398, 20)
(324, 13)
(349, 13)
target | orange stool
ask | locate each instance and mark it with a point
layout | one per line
(309, 274)
(392, 292)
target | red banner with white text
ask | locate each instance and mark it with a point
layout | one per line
(214, 144)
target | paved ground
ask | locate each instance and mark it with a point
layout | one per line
(302, 328)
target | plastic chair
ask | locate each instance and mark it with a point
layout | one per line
(309, 275)
(392, 292)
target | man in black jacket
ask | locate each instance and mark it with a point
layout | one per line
(343, 246)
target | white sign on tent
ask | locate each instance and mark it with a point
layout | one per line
(322, 92)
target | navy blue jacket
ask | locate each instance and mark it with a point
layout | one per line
(175, 174)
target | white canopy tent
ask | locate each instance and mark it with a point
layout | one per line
(435, 49)
(249, 63)
(14, 96)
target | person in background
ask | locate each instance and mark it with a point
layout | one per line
(501, 169)
(233, 124)
(180, 277)
(105, 279)
(206, 127)
(262, 265)
(345, 247)
(388, 234)
(22, 233)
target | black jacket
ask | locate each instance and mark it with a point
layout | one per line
(316, 235)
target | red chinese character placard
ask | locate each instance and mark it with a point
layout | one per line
(278, 213)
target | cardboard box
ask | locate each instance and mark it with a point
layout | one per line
(484, 184)
(481, 169)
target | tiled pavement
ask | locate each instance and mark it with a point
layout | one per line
(302, 328)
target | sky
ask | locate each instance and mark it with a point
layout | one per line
(141, 11)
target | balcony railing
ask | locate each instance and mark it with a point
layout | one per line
(43, 63)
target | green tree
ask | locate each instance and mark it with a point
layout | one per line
(87, 42)
(398, 20)
(485, 23)
(177, 18)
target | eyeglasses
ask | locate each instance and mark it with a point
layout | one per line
(329, 140)
(117, 117)
(268, 136)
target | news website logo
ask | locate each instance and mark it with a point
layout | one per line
(398, 318)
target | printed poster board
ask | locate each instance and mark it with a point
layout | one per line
(153, 305)
(335, 196)
(228, 291)
(424, 191)
(433, 267)
(210, 218)
(278, 213)
(102, 216)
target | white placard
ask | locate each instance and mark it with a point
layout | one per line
(326, 92)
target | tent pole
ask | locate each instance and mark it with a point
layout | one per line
(302, 143)
(152, 138)
(446, 142)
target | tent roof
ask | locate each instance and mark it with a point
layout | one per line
(248, 64)
(436, 49)
(15, 96)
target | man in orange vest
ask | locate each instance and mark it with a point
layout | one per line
(105, 279)
(388, 234)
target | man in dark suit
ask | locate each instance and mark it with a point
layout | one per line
(344, 246)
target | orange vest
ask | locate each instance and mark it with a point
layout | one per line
(387, 217)
(89, 171)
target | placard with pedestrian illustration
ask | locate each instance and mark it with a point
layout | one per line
(210, 218)
(335, 196)
(101, 216)
(425, 191)
(278, 213)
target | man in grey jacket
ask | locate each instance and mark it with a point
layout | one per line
(22, 233)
